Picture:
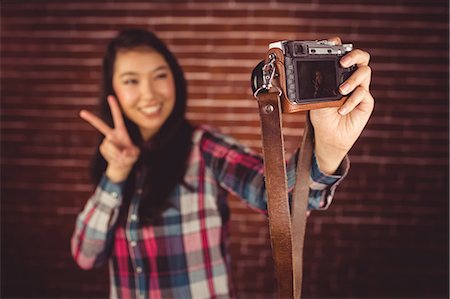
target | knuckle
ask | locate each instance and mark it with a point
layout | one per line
(111, 137)
(368, 56)
(368, 69)
(106, 143)
(369, 76)
(356, 52)
(370, 97)
(365, 56)
(103, 152)
(360, 89)
(352, 81)
(362, 92)
(365, 68)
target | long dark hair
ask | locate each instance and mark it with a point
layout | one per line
(164, 158)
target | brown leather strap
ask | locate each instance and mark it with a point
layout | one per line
(300, 205)
(286, 238)
(276, 186)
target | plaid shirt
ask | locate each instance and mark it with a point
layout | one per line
(187, 255)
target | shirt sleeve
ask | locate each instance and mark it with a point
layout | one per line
(321, 186)
(240, 171)
(94, 230)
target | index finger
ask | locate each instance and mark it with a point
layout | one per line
(336, 40)
(357, 56)
(116, 112)
(96, 122)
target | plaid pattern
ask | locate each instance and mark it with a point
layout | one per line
(186, 255)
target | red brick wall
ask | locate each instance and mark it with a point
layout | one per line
(386, 234)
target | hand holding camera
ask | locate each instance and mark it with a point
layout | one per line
(336, 129)
(328, 78)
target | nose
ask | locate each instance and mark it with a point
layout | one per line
(148, 90)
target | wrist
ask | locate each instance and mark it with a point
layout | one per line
(117, 174)
(328, 159)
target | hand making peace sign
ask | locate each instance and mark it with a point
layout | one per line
(117, 147)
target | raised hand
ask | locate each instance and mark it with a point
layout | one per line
(337, 129)
(117, 147)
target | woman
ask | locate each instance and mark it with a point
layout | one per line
(159, 213)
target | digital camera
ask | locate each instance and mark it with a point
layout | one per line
(307, 73)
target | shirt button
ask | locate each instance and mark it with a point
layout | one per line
(133, 243)
(139, 270)
(133, 217)
(114, 194)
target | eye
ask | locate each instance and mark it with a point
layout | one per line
(130, 81)
(161, 75)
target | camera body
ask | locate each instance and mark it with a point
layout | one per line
(308, 73)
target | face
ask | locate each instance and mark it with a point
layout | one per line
(145, 88)
(318, 77)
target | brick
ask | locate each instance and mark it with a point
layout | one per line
(388, 223)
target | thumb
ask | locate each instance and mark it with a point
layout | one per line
(131, 151)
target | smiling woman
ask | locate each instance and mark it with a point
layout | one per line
(143, 105)
(145, 88)
(159, 214)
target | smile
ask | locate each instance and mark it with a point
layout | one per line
(151, 110)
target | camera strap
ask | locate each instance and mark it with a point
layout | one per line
(286, 224)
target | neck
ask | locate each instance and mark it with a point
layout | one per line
(148, 134)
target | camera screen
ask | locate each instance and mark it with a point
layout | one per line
(316, 79)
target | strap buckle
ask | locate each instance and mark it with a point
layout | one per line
(268, 73)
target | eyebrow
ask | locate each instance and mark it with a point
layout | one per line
(162, 67)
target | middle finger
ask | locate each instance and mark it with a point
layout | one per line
(116, 112)
(361, 76)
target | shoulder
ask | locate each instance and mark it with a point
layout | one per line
(206, 134)
(211, 140)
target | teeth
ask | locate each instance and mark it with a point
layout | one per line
(150, 109)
